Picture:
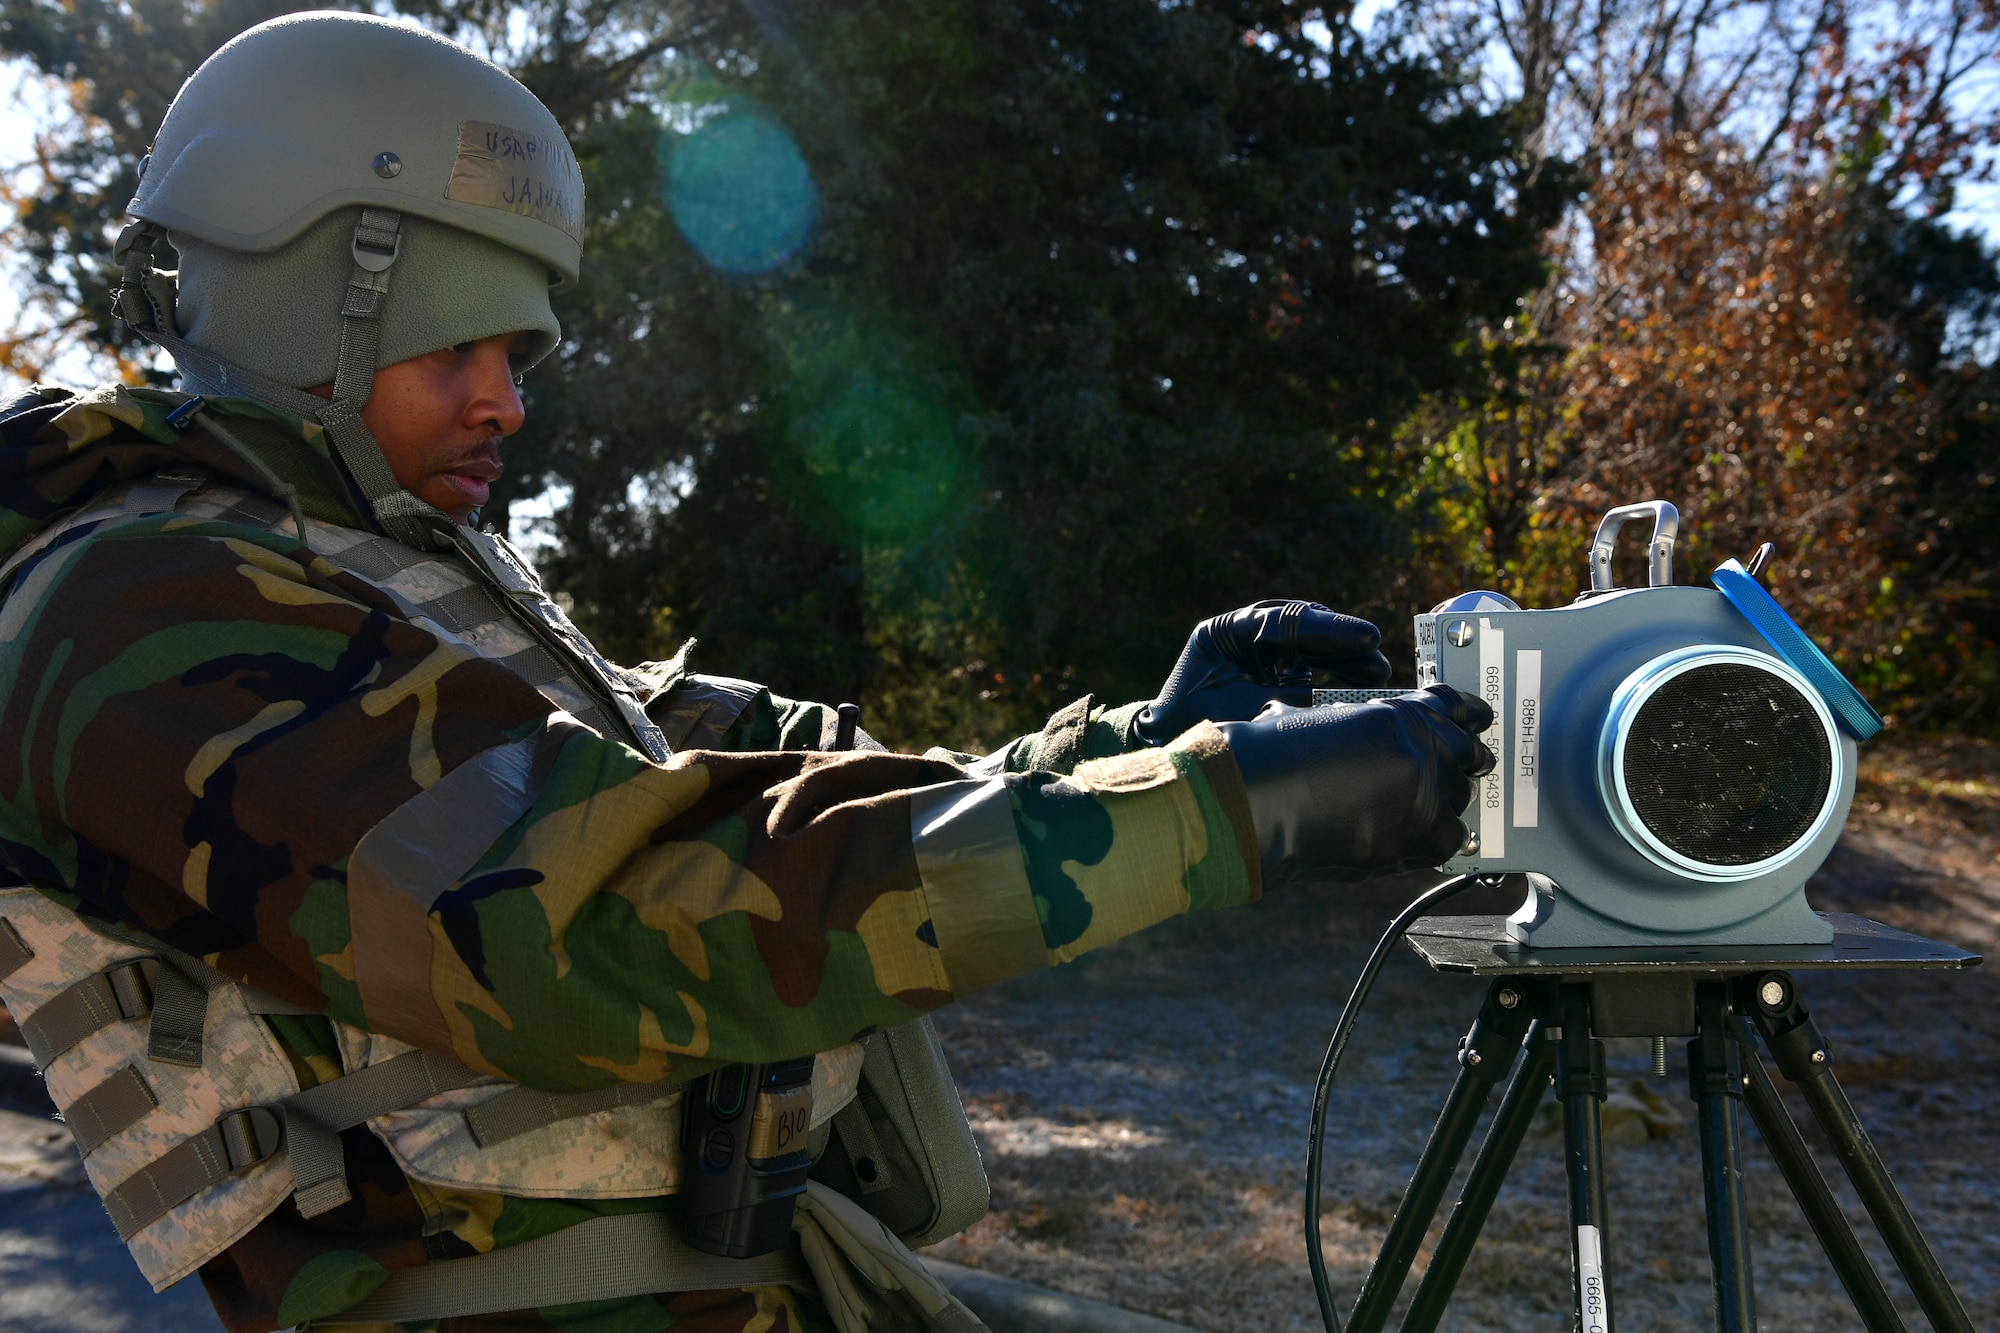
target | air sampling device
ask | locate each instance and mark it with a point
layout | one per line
(1673, 762)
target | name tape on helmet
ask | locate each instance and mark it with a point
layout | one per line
(518, 171)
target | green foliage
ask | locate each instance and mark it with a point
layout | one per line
(1098, 303)
(1476, 464)
(1101, 316)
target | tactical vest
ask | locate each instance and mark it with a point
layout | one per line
(190, 1118)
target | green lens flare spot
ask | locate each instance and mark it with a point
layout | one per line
(873, 429)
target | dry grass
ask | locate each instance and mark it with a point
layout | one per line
(1143, 1112)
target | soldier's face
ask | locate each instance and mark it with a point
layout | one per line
(440, 418)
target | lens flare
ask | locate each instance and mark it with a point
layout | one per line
(740, 192)
(874, 428)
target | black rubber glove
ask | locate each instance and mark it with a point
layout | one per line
(1234, 664)
(1367, 789)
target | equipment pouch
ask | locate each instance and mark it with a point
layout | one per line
(902, 1147)
(867, 1278)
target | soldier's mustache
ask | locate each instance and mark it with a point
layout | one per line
(482, 461)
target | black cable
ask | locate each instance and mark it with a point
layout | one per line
(1323, 1090)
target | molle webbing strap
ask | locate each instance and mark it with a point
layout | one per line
(378, 238)
(464, 609)
(605, 1258)
(522, 1110)
(254, 510)
(115, 995)
(180, 1013)
(315, 1117)
(377, 241)
(181, 986)
(14, 951)
(308, 1124)
(234, 1143)
(534, 664)
(115, 1104)
(538, 667)
(376, 559)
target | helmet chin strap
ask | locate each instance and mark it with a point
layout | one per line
(145, 301)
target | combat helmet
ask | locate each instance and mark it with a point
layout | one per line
(280, 138)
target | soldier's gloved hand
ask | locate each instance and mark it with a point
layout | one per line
(1368, 789)
(1234, 664)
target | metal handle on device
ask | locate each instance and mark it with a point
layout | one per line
(1659, 555)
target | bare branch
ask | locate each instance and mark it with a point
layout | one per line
(1801, 60)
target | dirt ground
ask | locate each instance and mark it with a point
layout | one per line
(1143, 1112)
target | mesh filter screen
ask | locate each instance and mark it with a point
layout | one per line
(1727, 764)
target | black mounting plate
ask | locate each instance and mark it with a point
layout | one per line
(1481, 946)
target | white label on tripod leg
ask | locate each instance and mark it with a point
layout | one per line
(1527, 737)
(1590, 1290)
(1492, 794)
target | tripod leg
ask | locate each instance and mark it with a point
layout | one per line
(1580, 1085)
(1715, 1081)
(1803, 1058)
(1483, 1059)
(1482, 1187)
(1829, 1224)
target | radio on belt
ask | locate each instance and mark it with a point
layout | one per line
(1674, 762)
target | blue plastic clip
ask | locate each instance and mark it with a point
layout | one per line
(182, 417)
(1790, 642)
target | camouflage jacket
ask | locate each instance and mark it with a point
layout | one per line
(202, 720)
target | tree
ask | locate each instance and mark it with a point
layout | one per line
(1087, 326)
(1755, 313)
(1143, 279)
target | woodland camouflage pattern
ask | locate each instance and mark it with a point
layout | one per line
(203, 720)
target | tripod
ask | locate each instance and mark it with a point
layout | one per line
(1554, 1012)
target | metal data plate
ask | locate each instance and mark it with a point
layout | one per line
(1480, 944)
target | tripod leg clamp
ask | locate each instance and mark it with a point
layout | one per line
(1795, 1041)
(1487, 1051)
(1714, 1065)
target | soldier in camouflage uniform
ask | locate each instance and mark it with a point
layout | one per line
(273, 700)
